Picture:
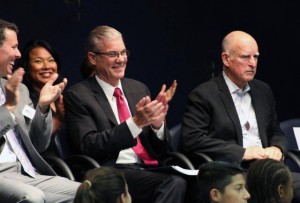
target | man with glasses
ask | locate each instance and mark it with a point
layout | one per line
(113, 119)
(232, 117)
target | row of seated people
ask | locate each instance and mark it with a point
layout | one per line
(114, 120)
(268, 180)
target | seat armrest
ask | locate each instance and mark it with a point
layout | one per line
(80, 165)
(59, 166)
(184, 161)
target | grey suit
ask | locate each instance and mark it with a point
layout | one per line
(35, 137)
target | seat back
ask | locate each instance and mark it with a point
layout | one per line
(62, 147)
(293, 156)
(287, 128)
(175, 137)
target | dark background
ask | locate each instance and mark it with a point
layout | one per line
(171, 39)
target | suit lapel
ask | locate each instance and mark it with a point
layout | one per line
(229, 106)
(259, 110)
(101, 98)
(130, 95)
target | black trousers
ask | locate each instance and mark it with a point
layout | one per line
(153, 187)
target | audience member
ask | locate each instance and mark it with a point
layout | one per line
(113, 119)
(232, 117)
(103, 185)
(40, 62)
(24, 175)
(222, 182)
(269, 181)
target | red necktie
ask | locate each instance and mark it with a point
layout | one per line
(123, 113)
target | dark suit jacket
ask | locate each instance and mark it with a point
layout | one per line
(35, 134)
(211, 124)
(93, 128)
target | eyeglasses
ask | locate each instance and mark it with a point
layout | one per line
(114, 54)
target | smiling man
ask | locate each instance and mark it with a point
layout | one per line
(113, 119)
(25, 132)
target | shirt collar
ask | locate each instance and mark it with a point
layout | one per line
(108, 88)
(233, 88)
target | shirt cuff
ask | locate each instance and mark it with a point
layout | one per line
(133, 128)
(160, 132)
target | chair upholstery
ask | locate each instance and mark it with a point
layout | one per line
(195, 158)
(78, 164)
(175, 132)
(292, 158)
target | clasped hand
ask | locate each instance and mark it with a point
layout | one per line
(262, 153)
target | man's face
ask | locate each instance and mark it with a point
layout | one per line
(110, 68)
(241, 62)
(235, 192)
(9, 52)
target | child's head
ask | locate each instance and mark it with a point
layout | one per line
(222, 182)
(105, 185)
(269, 181)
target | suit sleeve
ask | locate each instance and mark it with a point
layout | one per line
(206, 127)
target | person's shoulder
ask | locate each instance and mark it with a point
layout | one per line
(206, 86)
(132, 83)
(81, 86)
(256, 83)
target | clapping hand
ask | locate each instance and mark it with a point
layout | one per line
(12, 88)
(49, 93)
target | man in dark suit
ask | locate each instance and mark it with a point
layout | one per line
(96, 129)
(24, 132)
(232, 117)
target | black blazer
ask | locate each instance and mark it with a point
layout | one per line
(92, 125)
(211, 123)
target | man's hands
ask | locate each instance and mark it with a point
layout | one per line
(49, 93)
(262, 153)
(12, 89)
(154, 112)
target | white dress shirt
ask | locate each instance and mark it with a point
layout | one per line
(246, 113)
(126, 156)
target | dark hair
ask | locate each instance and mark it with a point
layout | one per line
(24, 62)
(103, 185)
(6, 25)
(216, 174)
(86, 68)
(264, 177)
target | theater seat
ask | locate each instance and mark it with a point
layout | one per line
(292, 158)
(78, 164)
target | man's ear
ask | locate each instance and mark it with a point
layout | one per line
(225, 58)
(215, 195)
(122, 198)
(92, 58)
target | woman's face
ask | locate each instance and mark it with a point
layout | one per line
(41, 66)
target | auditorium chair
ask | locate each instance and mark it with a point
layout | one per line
(292, 158)
(193, 160)
(78, 164)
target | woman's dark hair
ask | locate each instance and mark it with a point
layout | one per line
(24, 62)
(103, 185)
(264, 177)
